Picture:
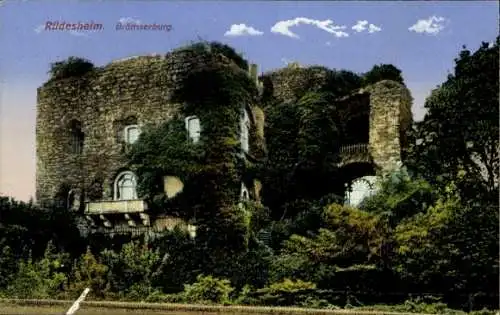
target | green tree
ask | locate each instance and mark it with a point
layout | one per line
(44, 278)
(336, 256)
(399, 196)
(451, 247)
(459, 132)
(89, 272)
(132, 271)
(382, 72)
(8, 267)
(27, 227)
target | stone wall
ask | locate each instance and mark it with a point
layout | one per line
(383, 110)
(291, 82)
(104, 101)
(390, 119)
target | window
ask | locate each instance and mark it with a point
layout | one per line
(76, 137)
(132, 133)
(193, 128)
(71, 199)
(244, 196)
(360, 189)
(245, 127)
(125, 186)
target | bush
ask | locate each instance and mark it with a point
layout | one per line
(286, 293)
(71, 67)
(39, 279)
(426, 305)
(208, 289)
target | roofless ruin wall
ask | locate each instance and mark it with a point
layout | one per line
(385, 107)
(101, 103)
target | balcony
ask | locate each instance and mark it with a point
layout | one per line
(354, 148)
(116, 207)
(355, 153)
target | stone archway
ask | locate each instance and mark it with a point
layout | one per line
(359, 189)
(359, 182)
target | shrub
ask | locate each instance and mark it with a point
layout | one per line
(71, 67)
(286, 293)
(208, 289)
(39, 279)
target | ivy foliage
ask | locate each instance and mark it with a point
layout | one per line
(211, 169)
(382, 72)
(437, 235)
(71, 67)
(302, 140)
(217, 48)
(304, 131)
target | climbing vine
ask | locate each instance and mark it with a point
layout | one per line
(211, 169)
(304, 129)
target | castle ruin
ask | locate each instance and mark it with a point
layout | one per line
(85, 125)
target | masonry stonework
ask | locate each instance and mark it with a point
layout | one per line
(390, 119)
(381, 110)
(103, 102)
(139, 90)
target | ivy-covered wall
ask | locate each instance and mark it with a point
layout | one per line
(211, 82)
(103, 101)
(378, 115)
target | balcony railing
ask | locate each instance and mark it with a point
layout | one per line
(116, 206)
(354, 148)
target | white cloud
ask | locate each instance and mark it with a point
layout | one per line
(374, 28)
(283, 27)
(129, 20)
(363, 25)
(242, 30)
(360, 26)
(432, 25)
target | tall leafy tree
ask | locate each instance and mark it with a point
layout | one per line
(457, 146)
(459, 133)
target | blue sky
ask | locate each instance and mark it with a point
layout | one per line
(420, 38)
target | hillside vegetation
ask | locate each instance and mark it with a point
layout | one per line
(426, 242)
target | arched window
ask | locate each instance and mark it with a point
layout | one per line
(131, 133)
(245, 131)
(244, 195)
(360, 189)
(76, 137)
(125, 186)
(193, 128)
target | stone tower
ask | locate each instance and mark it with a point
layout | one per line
(86, 124)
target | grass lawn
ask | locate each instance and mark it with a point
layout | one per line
(58, 310)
